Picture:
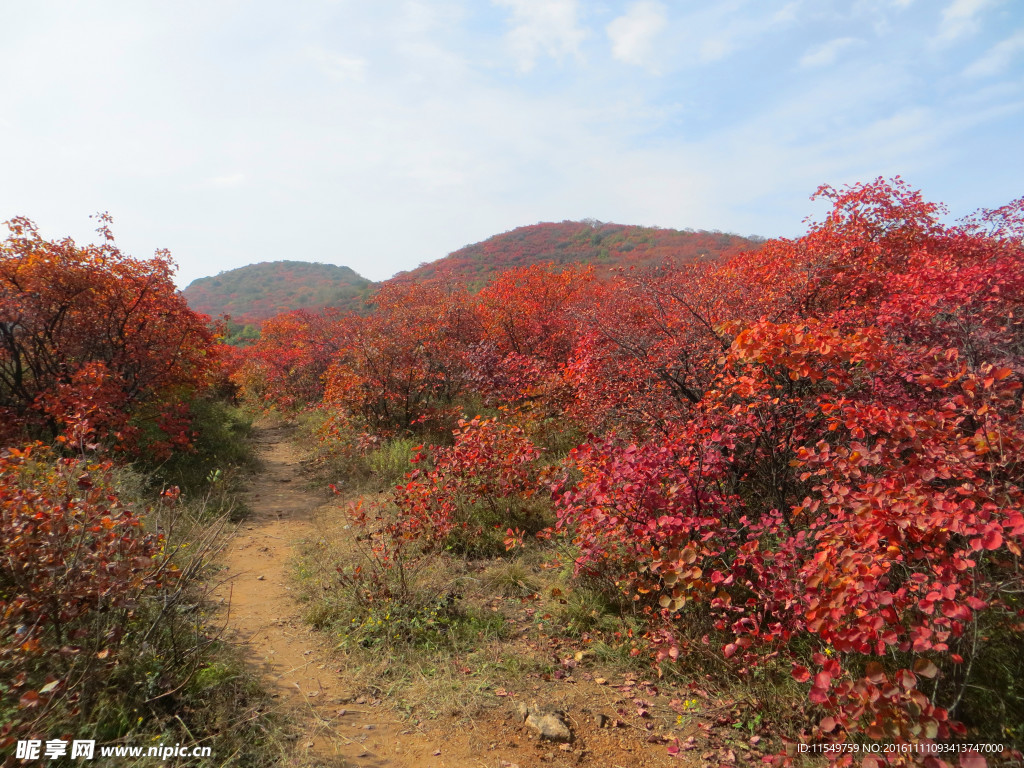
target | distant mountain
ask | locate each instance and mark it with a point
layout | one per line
(588, 241)
(256, 292)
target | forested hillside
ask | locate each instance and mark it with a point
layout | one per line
(251, 294)
(576, 242)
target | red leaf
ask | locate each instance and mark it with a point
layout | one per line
(992, 539)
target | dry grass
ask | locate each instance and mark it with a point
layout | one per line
(495, 626)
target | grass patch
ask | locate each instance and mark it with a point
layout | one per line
(422, 607)
(214, 469)
(440, 639)
(989, 690)
(510, 578)
(390, 462)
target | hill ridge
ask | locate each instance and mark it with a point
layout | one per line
(256, 292)
(584, 241)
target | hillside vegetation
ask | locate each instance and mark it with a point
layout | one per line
(775, 494)
(795, 470)
(575, 242)
(251, 294)
(115, 459)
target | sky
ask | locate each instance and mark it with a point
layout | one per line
(380, 134)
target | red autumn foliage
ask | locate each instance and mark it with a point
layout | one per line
(74, 564)
(403, 365)
(481, 484)
(813, 448)
(286, 367)
(94, 346)
(857, 459)
(568, 243)
(529, 331)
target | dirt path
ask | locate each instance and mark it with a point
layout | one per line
(266, 618)
(340, 728)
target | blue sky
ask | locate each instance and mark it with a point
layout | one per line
(383, 134)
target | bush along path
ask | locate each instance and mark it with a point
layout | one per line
(342, 717)
(529, 699)
(799, 467)
(264, 617)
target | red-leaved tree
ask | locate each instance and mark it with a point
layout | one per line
(95, 346)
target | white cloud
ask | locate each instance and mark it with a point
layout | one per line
(960, 18)
(998, 58)
(543, 27)
(227, 181)
(826, 53)
(786, 13)
(340, 67)
(733, 26)
(633, 34)
(716, 48)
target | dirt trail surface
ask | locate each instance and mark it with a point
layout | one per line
(265, 617)
(340, 726)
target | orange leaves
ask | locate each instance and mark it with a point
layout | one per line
(485, 481)
(73, 560)
(286, 368)
(92, 339)
(811, 351)
(402, 366)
